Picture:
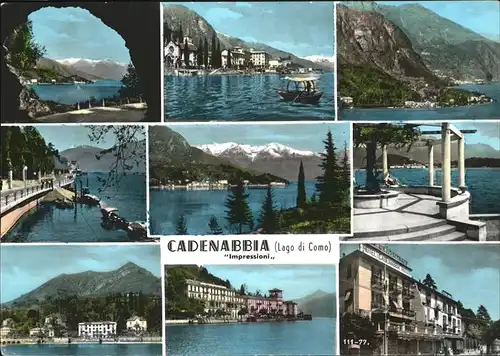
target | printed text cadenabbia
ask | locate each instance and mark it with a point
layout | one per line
(218, 246)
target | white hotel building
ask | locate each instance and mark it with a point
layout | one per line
(411, 318)
(216, 297)
(259, 58)
(98, 329)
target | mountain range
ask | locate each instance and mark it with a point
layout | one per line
(274, 158)
(81, 69)
(319, 304)
(195, 26)
(128, 278)
(173, 158)
(86, 157)
(445, 47)
(420, 154)
(105, 69)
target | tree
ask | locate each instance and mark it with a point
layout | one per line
(205, 53)
(219, 59)
(346, 167)
(491, 333)
(330, 187)
(181, 228)
(301, 188)
(372, 136)
(215, 229)
(238, 211)
(268, 217)
(429, 282)
(213, 48)
(199, 57)
(357, 327)
(243, 289)
(186, 53)
(24, 52)
(181, 35)
(483, 315)
(132, 87)
(229, 58)
(128, 150)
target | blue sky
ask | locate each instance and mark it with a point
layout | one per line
(296, 281)
(487, 132)
(308, 137)
(301, 28)
(468, 272)
(25, 267)
(480, 16)
(64, 136)
(75, 33)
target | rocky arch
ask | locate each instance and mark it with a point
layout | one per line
(138, 23)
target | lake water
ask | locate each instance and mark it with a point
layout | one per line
(84, 350)
(49, 224)
(315, 337)
(73, 93)
(198, 206)
(481, 182)
(473, 112)
(240, 98)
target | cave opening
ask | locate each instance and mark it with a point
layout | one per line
(75, 79)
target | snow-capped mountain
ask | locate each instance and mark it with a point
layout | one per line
(274, 158)
(105, 69)
(271, 150)
(320, 59)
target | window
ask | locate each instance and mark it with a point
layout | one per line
(348, 271)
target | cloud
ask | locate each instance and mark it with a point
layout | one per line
(218, 14)
(487, 129)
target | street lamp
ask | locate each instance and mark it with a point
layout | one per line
(25, 175)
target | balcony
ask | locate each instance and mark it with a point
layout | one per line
(377, 283)
(408, 313)
(377, 305)
(407, 294)
(394, 289)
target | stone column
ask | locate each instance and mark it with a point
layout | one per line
(461, 162)
(39, 175)
(431, 164)
(445, 162)
(385, 166)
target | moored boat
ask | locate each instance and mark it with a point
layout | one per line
(301, 90)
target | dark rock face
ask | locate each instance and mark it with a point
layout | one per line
(137, 22)
(367, 38)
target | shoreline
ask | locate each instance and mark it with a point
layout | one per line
(82, 343)
(426, 108)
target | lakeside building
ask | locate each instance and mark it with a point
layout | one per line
(137, 323)
(218, 297)
(175, 52)
(259, 59)
(411, 318)
(238, 56)
(98, 329)
(7, 327)
(215, 297)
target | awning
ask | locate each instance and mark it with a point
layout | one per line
(347, 296)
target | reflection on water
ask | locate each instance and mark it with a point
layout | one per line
(485, 196)
(197, 206)
(315, 337)
(83, 224)
(239, 97)
(73, 93)
(473, 112)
